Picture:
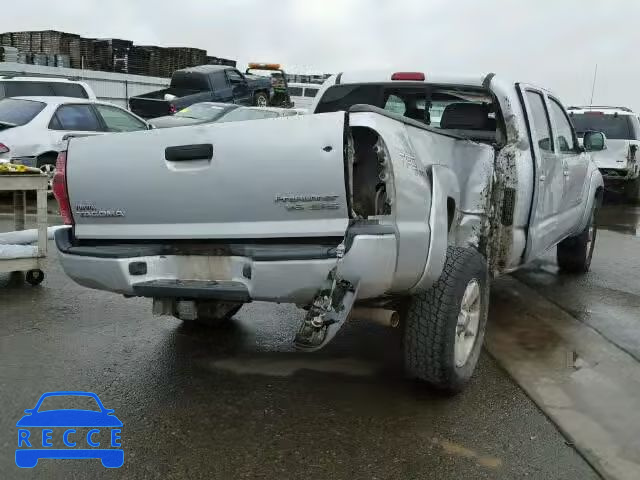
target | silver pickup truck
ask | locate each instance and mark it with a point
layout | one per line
(396, 201)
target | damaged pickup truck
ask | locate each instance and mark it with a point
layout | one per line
(397, 201)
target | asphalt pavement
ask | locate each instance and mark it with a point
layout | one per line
(241, 403)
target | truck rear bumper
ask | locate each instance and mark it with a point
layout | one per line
(370, 260)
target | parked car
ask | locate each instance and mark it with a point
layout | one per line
(303, 94)
(11, 86)
(362, 209)
(205, 83)
(32, 128)
(620, 161)
(203, 112)
(212, 112)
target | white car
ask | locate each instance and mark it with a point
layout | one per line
(11, 86)
(619, 162)
(303, 94)
(32, 128)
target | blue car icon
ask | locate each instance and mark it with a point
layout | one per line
(39, 430)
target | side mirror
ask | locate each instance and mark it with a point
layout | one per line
(150, 126)
(594, 141)
(29, 410)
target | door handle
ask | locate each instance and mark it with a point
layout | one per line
(542, 178)
(185, 153)
(566, 173)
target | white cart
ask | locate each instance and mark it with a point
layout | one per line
(31, 263)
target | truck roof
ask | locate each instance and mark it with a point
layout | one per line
(383, 76)
(206, 68)
(59, 100)
(15, 78)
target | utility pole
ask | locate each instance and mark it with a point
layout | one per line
(593, 87)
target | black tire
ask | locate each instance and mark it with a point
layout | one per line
(261, 99)
(632, 191)
(574, 254)
(431, 323)
(216, 313)
(34, 277)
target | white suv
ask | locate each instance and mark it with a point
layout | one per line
(619, 161)
(44, 87)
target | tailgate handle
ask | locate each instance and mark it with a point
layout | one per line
(184, 153)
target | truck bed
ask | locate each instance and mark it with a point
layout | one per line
(153, 104)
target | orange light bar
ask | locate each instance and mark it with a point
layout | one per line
(265, 66)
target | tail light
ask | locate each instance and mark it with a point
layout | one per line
(4, 148)
(409, 76)
(632, 152)
(59, 187)
(172, 109)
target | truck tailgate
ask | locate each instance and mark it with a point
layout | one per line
(273, 178)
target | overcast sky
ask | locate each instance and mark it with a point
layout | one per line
(554, 43)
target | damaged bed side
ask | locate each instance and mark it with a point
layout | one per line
(429, 188)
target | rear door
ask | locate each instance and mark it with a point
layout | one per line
(222, 90)
(75, 119)
(240, 87)
(226, 180)
(545, 225)
(575, 163)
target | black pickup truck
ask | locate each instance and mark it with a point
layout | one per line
(204, 83)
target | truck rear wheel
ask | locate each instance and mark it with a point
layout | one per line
(574, 253)
(261, 99)
(632, 191)
(444, 326)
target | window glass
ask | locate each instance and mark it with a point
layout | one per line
(16, 112)
(538, 116)
(219, 80)
(342, 97)
(563, 132)
(27, 89)
(69, 90)
(189, 80)
(613, 126)
(295, 91)
(395, 104)
(79, 117)
(310, 92)
(202, 111)
(118, 120)
(234, 77)
(635, 128)
(241, 114)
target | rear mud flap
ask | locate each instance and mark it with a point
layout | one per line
(330, 309)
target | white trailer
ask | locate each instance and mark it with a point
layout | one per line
(110, 87)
